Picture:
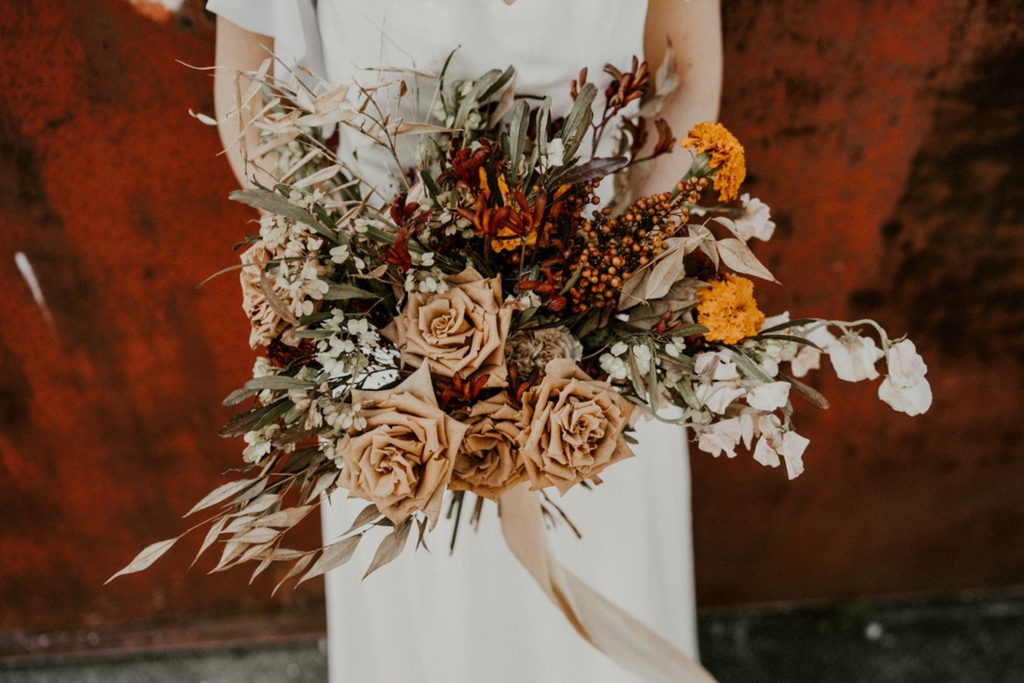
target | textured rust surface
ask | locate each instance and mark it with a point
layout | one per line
(886, 137)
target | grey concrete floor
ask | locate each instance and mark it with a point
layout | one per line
(978, 640)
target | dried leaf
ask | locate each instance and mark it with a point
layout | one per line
(324, 482)
(261, 503)
(737, 256)
(413, 128)
(288, 517)
(143, 560)
(666, 80)
(203, 118)
(258, 535)
(505, 103)
(240, 523)
(320, 176)
(370, 513)
(334, 555)
(326, 118)
(211, 537)
(220, 493)
(656, 278)
(390, 548)
(296, 569)
(232, 550)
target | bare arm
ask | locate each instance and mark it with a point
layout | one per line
(694, 28)
(237, 50)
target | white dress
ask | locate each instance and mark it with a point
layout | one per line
(477, 615)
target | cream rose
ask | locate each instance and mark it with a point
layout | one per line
(571, 427)
(461, 331)
(488, 463)
(403, 459)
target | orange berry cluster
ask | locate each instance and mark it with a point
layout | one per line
(615, 247)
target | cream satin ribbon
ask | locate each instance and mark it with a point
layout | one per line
(616, 633)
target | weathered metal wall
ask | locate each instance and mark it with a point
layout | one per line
(886, 136)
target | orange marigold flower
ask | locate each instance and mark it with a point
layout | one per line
(729, 311)
(725, 154)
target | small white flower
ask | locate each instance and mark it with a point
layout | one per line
(905, 388)
(531, 300)
(642, 354)
(853, 357)
(722, 437)
(675, 347)
(553, 155)
(427, 259)
(259, 443)
(806, 359)
(619, 348)
(613, 365)
(769, 397)
(790, 445)
(340, 253)
(716, 365)
(718, 396)
(756, 220)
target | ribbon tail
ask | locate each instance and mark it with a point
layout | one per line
(624, 639)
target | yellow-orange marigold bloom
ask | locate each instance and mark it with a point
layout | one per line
(729, 311)
(725, 154)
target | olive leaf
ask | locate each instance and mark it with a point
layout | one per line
(578, 121)
(814, 396)
(150, 554)
(595, 168)
(276, 204)
(339, 291)
(517, 135)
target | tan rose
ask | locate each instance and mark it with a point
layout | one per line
(460, 331)
(572, 427)
(266, 322)
(488, 463)
(532, 350)
(403, 459)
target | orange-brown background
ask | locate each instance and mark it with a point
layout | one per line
(886, 137)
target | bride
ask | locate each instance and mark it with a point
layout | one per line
(476, 615)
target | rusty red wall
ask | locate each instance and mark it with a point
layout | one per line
(886, 137)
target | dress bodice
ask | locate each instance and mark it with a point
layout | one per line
(548, 42)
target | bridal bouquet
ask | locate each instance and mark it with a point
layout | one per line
(489, 325)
